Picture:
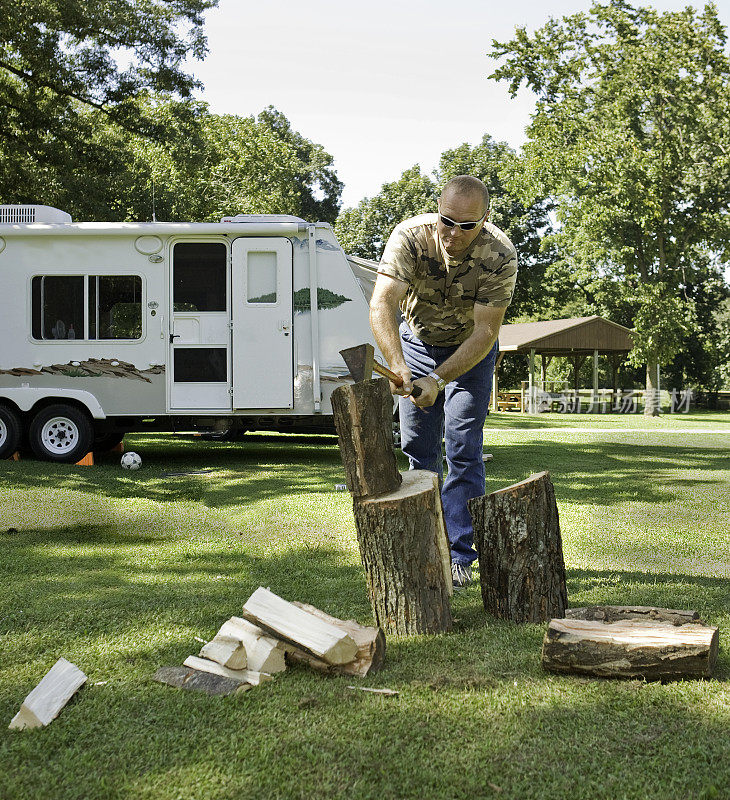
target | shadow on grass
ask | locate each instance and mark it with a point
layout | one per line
(608, 472)
(266, 467)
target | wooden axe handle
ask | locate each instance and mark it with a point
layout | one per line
(397, 380)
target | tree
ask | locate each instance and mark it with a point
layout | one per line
(61, 58)
(364, 230)
(631, 136)
(226, 164)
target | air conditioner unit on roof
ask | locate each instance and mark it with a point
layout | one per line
(19, 215)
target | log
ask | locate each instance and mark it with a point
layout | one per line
(630, 649)
(405, 552)
(194, 680)
(370, 643)
(298, 627)
(45, 702)
(363, 415)
(263, 653)
(517, 537)
(624, 613)
(240, 675)
(227, 651)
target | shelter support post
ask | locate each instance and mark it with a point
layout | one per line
(531, 399)
(594, 399)
(495, 386)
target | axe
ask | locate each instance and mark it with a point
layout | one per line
(361, 362)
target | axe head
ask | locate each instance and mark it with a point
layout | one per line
(359, 361)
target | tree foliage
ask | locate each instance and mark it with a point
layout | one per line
(631, 136)
(364, 230)
(61, 58)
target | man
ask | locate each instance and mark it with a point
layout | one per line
(452, 276)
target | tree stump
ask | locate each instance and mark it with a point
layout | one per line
(363, 414)
(630, 649)
(517, 536)
(398, 517)
(405, 553)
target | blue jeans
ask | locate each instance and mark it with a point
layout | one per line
(457, 416)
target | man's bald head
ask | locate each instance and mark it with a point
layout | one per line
(466, 185)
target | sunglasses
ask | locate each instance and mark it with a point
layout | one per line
(464, 226)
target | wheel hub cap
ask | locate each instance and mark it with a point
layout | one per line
(60, 435)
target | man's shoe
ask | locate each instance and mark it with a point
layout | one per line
(460, 575)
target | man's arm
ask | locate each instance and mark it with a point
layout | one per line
(384, 311)
(487, 322)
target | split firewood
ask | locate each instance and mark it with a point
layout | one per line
(226, 651)
(298, 627)
(241, 675)
(630, 649)
(264, 653)
(370, 643)
(195, 680)
(646, 613)
(45, 702)
(386, 692)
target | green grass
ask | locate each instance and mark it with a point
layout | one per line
(118, 572)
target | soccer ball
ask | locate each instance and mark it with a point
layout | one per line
(131, 461)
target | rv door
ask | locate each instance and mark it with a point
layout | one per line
(263, 350)
(199, 327)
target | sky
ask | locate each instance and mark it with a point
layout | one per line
(380, 84)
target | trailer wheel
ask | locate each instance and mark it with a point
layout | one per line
(61, 433)
(10, 432)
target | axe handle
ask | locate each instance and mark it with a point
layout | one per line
(397, 380)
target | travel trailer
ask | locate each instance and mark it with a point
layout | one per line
(107, 328)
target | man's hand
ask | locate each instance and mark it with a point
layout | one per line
(429, 392)
(407, 386)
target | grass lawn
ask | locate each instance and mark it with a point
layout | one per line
(118, 572)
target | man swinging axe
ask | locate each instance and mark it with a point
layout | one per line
(452, 275)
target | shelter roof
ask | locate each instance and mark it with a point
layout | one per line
(565, 336)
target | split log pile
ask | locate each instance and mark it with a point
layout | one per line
(631, 642)
(270, 634)
(517, 537)
(398, 516)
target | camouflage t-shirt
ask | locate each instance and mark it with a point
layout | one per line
(442, 291)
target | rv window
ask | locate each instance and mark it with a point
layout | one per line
(58, 307)
(261, 277)
(199, 276)
(200, 365)
(115, 307)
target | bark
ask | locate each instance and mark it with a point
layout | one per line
(651, 399)
(625, 613)
(363, 415)
(405, 553)
(630, 649)
(517, 536)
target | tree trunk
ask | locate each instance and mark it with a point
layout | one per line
(651, 395)
(517, 536)
(363, 415)
(405, 553)
(630, 649)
